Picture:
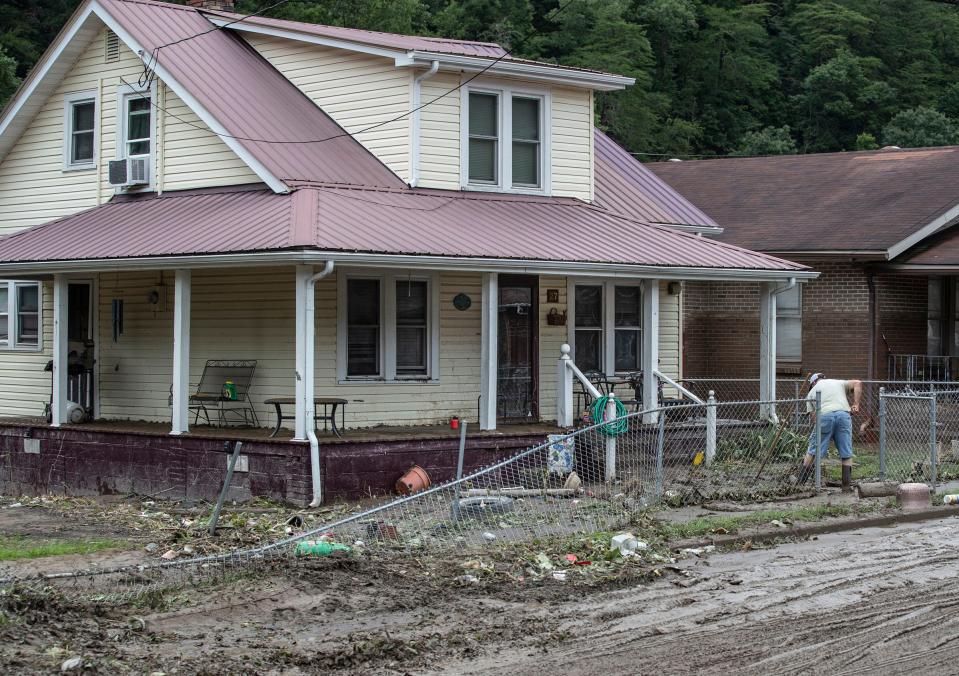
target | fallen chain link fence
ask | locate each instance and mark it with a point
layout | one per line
(590, 480)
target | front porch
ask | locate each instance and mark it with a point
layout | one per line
(489, 343)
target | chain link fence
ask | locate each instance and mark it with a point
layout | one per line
(919, 436)
(591, 480)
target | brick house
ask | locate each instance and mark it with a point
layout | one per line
(879, 226)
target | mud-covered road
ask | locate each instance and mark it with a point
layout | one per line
(880, 600)
(877, 600)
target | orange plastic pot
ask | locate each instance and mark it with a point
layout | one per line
(416, 479)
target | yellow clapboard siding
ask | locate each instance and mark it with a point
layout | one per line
(249, 315)
(356, 90)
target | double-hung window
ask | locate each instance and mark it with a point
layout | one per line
(80, 130)
(607, 326)
(137, 124)
(505, 140)
(389, 327)
(20, 315)
(789, 325)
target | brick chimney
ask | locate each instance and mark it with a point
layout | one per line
(221, 5)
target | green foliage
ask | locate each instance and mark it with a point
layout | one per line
(8, 77)
(918, 127)
(755, 446)
(17, 547)
(768, 141)
(866, 141)
(712, 76)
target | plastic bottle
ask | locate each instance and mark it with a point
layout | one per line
(320, 548)
(951, 499)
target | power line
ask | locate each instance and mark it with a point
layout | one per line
(147, 80)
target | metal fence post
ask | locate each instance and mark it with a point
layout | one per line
(611, 440)
(932, 441)
(796, 404)
(659, 455)
(711, 427)
(882, 433)
(818, 440)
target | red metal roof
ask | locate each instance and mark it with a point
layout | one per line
(250, 98)
(627, 187)
(413, 222)
(375, 38)
(418, 43)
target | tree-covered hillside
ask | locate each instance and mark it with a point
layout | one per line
(712, 76)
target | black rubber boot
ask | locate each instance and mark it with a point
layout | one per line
(804, 472)
(847, 478)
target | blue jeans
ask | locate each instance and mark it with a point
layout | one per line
(836, 426)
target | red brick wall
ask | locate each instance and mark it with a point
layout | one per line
(721, 337)
(902, 316)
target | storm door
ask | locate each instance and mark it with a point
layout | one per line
(517, 382)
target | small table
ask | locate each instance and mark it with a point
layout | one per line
(328, 415)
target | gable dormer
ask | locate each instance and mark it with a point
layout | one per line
(481, 119)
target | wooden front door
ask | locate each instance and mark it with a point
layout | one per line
(518, 361)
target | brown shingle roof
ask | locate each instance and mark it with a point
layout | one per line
(857, 201)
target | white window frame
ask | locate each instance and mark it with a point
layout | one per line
(69, 101)
(387, 366)
(791, 314)
(13, 317)
(505, 92)
(608, 342)
(125, 93)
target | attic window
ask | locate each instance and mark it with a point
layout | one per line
(504, 136)
(111, 48)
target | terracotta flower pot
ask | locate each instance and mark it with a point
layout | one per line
(416, 479)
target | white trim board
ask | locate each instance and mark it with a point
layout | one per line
(55, 62)
(449, 62)
(405, 261)
(941, 222)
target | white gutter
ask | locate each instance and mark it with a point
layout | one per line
(424, 262)
(417, 103)
(603, 82)
(783, 289)
(309, 386)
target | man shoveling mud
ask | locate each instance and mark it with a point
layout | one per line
(836, 423)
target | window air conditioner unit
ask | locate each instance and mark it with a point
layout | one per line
(130, 171)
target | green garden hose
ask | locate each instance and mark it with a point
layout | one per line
(616, 427)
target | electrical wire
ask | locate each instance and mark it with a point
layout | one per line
(146, 80)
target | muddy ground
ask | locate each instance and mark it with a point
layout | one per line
(876, 600)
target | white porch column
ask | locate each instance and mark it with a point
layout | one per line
(181, 352)
(60, 325)
(303, 273)
(767, 348)
(489, 346)
(650, 348)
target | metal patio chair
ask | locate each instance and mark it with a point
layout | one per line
(211, 395)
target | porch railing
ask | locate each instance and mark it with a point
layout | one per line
(923, 368)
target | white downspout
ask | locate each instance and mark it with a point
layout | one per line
(417, 102)
(309, 381)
